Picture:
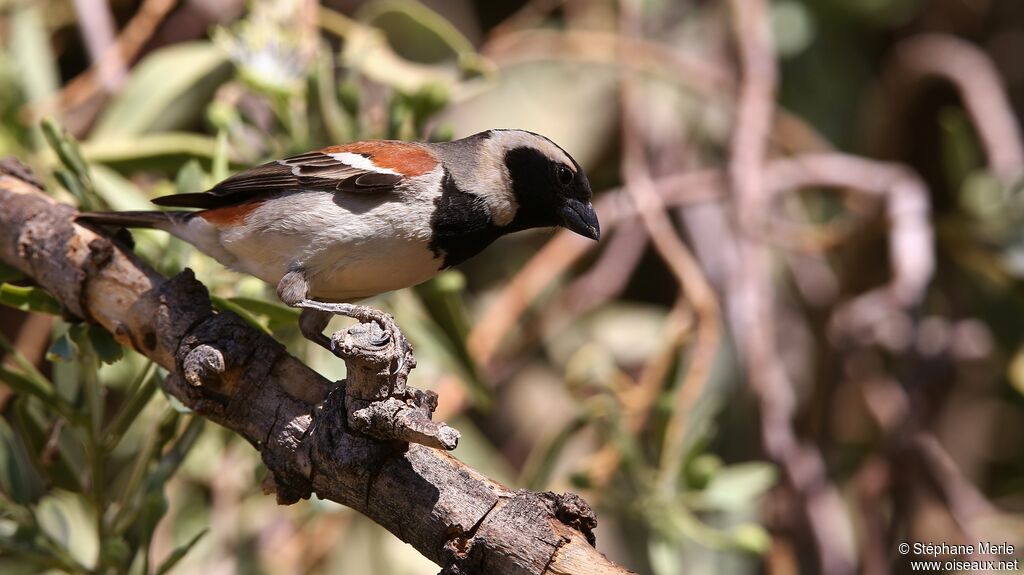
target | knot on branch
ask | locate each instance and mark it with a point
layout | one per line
(575, 512)
(223, 355)
(378, 402)
(100, 253)
(203, 365)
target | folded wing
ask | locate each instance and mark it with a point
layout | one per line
(336, 169)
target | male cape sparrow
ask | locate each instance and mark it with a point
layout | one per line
(347, 222)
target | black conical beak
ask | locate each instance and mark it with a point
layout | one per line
(581, 218)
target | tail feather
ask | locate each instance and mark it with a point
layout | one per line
(134, 219)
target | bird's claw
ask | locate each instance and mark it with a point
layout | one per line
(402, 346)
(390, 332)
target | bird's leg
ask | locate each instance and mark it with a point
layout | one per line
(376, 402)
(293, 290)
(312, 323)
(362, 313)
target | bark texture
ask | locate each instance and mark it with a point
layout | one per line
(238, 377)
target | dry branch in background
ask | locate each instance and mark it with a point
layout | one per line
(695, 291)
(236, 376)
(751, 301)
(756, 182)
(98, 29)
(907, 210)
(980, 88)
(111, 61)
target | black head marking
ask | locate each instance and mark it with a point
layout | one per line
(542, 185)
(548, 192)
(462, 226)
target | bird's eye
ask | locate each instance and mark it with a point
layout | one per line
(565, 175)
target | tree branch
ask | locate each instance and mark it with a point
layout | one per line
(244, 380)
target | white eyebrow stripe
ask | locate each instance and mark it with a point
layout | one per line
(361, 162)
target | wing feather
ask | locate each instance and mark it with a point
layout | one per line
(309, 171)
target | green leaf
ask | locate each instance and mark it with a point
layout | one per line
(63, 349)
(75, 176)
(222, 304)
(114, 551)
(736, 487)
(69, 521)
(665, 556)
(172, 459)
(167, 90)
(367, 50)
(449, 327)
(424, 102)
(418, 33)
(19, 480)
(273, 311)
(31, 381)
(30, 50)
(132, 501)
(27, 551)
(107, 349)
(141, 391)
(165, 151)
(34, 425)
(117, 191)
(751, 538)
(349, 96)
(190, 178)
(179, 553)
(151, 511)
(88, 374)
(73, 186)
(27, 298)
(702, 469)
(154, 503)
(337, 123)
(9, 273)
(960, 151)
(221, 164)
(21, 383)
(66, 148)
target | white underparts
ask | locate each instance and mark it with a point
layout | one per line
(349, 246)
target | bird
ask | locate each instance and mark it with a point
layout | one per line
(347, 222)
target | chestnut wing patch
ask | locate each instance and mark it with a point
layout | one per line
(327, 170)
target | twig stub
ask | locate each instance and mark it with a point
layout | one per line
(377, 400)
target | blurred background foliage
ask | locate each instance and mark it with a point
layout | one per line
(578, 384)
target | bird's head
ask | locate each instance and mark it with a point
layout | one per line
(527, 181)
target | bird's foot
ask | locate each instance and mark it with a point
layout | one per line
(388, 340)
(388, 332)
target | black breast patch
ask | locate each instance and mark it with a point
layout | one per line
(461, 225)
